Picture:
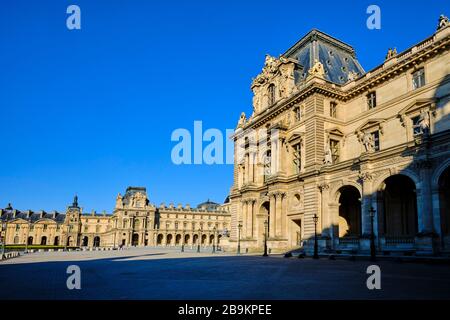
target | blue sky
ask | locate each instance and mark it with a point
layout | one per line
(91, 111)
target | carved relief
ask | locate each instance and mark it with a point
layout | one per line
(278, 72)
(317, 69)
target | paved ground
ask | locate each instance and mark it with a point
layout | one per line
(169, 274)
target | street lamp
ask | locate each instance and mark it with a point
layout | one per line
(316, 254)
(266, 224)
(4, 227)
(214, 240)
(239, 237)
(372, 235)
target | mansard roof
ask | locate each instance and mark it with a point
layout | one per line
(338, 58)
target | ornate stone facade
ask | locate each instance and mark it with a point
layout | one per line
(134, 222)
(328, 138)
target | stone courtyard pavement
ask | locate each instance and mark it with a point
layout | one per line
(169, 274)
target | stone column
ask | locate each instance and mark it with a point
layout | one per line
(272, 216)
(244, 218)
(279, 197)
(425, 215)
(365, 179)
(284, 218)
(250, 215)
(325, 215)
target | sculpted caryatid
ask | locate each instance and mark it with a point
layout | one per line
(424, 122)
(368, 142)
(328, 160)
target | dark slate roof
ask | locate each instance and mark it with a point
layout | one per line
(31, 216)
(208, 205)
(337, 57)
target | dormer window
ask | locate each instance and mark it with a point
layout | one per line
(371, 100)
(271, 94)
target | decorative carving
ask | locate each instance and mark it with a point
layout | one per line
(424, 122)
(119, 201)
(242, 120)
(391, 53)
(365, 176)
(317, 69)
(278, 72)
(352, 75)
(367, 140)
(323, 186)
(328, 159)
(443, 22)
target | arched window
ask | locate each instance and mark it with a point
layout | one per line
(271, 94)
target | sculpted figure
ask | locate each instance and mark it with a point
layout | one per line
(242, 120)
(119, 202)
(424, 122)
(368, 142)
(443, 22)
(317, 69)
(328, 160)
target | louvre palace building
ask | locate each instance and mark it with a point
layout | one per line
(134, 222)
(332, 147)
(330, 150)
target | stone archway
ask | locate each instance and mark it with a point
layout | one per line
(178, 239)
(44, 241)
(97, 241)
(349, 212)
(444, 203)
(398, 216)
(159, 239)
(135, 239)
(186, 239)
(85, 241)
(169, 238)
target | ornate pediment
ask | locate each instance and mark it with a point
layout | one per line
(370, 125)
(275, 82)
(416, 106)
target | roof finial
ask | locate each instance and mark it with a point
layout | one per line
(75, 202)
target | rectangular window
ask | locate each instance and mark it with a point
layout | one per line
(334, 147)
(371, 100)
(297, 158)
(333, 109)
(417, 130)
(418, 78)
(376, 140)
(45, 227)
(17, 227)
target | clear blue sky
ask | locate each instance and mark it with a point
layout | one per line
(92, 111)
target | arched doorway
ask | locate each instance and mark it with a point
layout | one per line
(30, 241)
(204, 237)
(70, 241)
(399, 207)
(264, 210)
(159, 239)
(135, 239)
(97, 241)
(186, 239)
(211, 239)
(16, 240)
(195, 239)
(178, 239)
(444, 203)
(56, 241)
(43, 241)
(85, 242)
(169, 239)
(349, 212)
